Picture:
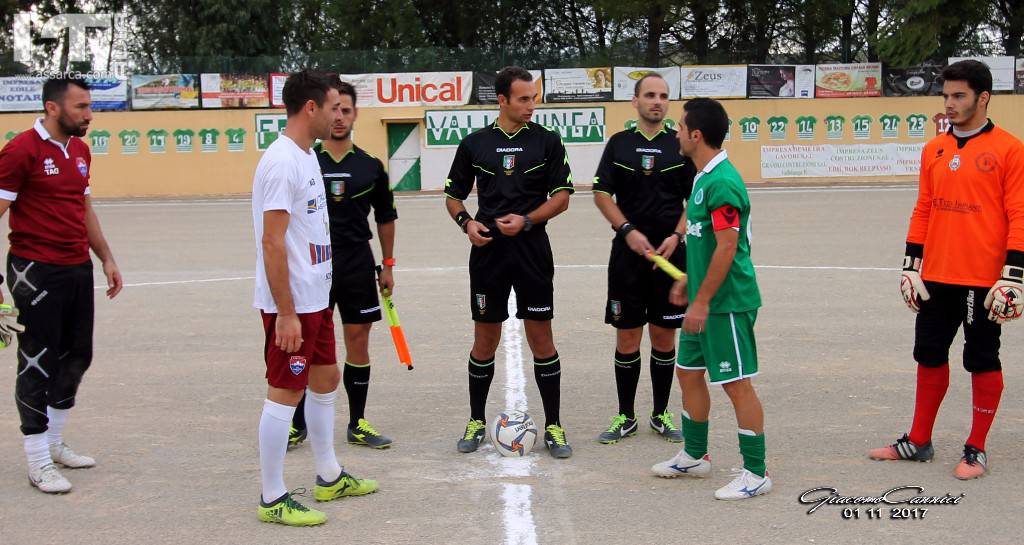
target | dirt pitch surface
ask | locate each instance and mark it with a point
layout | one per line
(171, 404)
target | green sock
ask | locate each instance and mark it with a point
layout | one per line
(752, 450)
(695, 435)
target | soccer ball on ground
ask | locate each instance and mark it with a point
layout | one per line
(513, 433)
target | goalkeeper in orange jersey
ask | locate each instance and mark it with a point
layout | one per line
(964, 263)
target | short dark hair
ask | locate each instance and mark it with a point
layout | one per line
(301, 87)
(54, 88)
(636, 88)
(707, 116)
(345, 88)
(975, 73)
(503, 82)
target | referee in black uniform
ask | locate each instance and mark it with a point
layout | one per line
(522, 176)
(640, 187)
(355, 182)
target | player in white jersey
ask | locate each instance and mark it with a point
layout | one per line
(293, 282)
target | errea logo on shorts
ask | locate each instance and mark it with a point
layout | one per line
(693, 229)
(725, 367)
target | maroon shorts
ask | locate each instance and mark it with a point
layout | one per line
(290, 370)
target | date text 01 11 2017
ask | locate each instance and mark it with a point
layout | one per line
(912, 497)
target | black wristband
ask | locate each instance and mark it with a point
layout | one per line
(915, 250)
(1015, 258)
(680, 236)
(624, 229)
(462, 218)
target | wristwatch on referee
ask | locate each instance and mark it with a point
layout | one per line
(624, 229)
(388, 262)
(680, 236)
(527, 222)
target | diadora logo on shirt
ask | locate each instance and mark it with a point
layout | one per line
(693, 229)
(648, 150)
(319, 253)
(49, 168)
(508, 150)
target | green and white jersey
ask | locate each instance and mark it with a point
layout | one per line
(719, 196)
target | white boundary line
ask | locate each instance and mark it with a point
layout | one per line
(518, 522)
(237, 201)
(511, 312)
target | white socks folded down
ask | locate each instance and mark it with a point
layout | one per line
(275, 423)
(37, 446)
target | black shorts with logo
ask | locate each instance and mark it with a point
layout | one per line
(354, 284)
(524, 263)
(942, 315)
(638, 295)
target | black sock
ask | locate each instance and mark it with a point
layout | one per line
(299, 418)
(627, 376)
(357, 384)
(663, 366)
(480, 375)
(548, 372)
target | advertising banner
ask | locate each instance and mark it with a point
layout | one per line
(483, 87)
(1002, 68)
(108, 94)
(235, 90)
(780, 81)
(446, 128)
(21, 94)
(578, 85)
(165, 92)
(920, 80)
(412, 89)
(625, 78)
(832, 160)
(848, 80)
(728, 81)
(276, 87)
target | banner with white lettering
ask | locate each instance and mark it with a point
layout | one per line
(21, 94)
(729, 81)
(108, 94)
(446, 128)
(835, 160)
(276, 88)
(780, 81)
(413, 89)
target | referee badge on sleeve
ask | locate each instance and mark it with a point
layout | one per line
(647, 163)
(481, 303)
(508, 163)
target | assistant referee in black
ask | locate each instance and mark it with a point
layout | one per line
(641, 184)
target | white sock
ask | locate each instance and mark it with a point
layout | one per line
(274, 425)
(55, 429)
(37, 450)
(320, 427)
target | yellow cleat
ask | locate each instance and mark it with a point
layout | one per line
(344, 485)
(285, 510)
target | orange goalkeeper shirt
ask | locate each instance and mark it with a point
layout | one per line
(970, 206)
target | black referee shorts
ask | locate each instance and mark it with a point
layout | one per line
(524, 263)
(942, 315)
(638, 295)
(354, 284)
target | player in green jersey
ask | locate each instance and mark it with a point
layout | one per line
(721, 289)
